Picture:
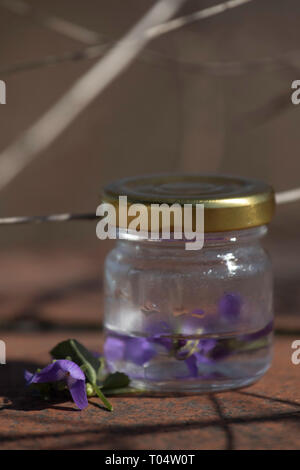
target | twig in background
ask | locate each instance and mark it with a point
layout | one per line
(215, 68)
(51, 125)
(177, 23)
(87, 53)
(209, 67)
(82, 93)
(37, 219)
(59, 25)
(29, 149)
(290, 195)
(280, 197)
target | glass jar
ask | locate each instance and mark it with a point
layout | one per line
(183, 320)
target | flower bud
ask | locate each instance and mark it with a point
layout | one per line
(90, 390)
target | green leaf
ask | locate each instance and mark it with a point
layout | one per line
(116, 380)
(123, 391)
(41, 389)
(71, 348)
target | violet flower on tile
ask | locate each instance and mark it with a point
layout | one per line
(63, 370)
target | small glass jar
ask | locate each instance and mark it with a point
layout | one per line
(183, 320)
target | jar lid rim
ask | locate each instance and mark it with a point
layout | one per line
(230, 202)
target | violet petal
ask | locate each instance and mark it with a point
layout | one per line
(27, 376)
(230, 306)
(58, 370)
(162, 341)
(191, 363)
(63, 369)
(114, 349)
(203, 359)
(51, 373)
(71, 369)
(77, 389)
(207, 344)
(157, 328)
(139, 350)
(258, 334)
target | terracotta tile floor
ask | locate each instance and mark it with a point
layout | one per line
(43, 301)
(264, 416)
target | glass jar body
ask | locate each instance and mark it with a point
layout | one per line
(179, 320)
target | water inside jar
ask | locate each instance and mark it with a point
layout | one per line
(184, 362)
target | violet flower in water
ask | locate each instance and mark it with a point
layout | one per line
(165, 338)
(136, 350)
(63, 370)
(230, 306)
(140, 350)
(196, 352)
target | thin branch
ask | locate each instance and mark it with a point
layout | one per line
(87, 53)
(38, 219)
(291, 195)
(59, 25)
(281, 198)
(178, 23)
(97, 50)
(215, 68)
(52, 124)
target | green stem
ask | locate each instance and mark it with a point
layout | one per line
(102, 397)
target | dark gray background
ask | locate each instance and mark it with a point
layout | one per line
(154, 117)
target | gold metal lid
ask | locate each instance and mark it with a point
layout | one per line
(230, 202)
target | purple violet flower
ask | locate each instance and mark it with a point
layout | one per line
(142, 349)
(158, 328)
(63, 370)
(137, 350)
(114, 348)
(259, 334)
(230, 306)
(191, 363)
(205, 346)
(200, 350)
(158, 332)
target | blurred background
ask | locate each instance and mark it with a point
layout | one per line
(213, 96)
